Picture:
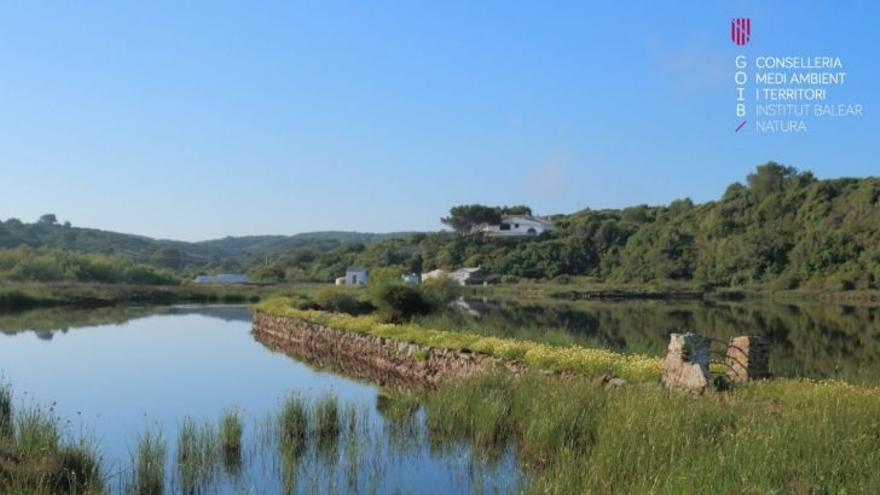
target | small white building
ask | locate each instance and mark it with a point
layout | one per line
(340, 280)
(356, 275)
(462, 276)
(519, 226)
(223, 278)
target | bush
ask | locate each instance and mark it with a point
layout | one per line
(338, 300)
(441, 290)
(399, 303)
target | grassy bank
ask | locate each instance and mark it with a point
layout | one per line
(574, 359)
(781, 436)
(20, 296)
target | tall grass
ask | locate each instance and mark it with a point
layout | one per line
(327, 417)
(37, 434)
(230, 441)
(782, 436)
(6, 419)
(35, 458)
(196, 455)
(149, 465)
(293, 424)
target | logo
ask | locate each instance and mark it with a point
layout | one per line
(740, 30)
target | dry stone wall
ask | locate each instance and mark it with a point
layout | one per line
(386, 361)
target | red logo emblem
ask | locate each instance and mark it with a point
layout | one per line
(740, 30)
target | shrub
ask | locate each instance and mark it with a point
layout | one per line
(337, 300)
(441, 290)
(399, 303)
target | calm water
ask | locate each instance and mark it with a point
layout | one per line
(115, 373)
(806, 340)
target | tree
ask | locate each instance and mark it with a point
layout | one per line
(465, 218)
(769, 178)
(48, 219)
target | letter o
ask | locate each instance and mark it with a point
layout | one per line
(740, 77)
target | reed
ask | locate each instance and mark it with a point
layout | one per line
(149, 465)
(230, 438)
(196, 455)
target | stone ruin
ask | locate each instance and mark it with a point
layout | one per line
(747, 359)
(687, 363)
(686, 366)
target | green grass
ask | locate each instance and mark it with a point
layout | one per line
(197, 447)
(17, 299)
(230, 434)
(327, 417)
(149, 465)
(576, 359)
(293, 423)
(6, 424)
(783, 436)
(35, 458)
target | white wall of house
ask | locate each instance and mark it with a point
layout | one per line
(356, 277)
(515, 226)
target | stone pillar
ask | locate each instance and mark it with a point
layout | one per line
(747, 359)
(687, 363)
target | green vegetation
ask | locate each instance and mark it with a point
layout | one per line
(148, 474)
(54, 265)
(197, 448)
(21, 295)
(783, 229)
(293, 423)
(327, 418)
(230, 441)
(767, 437)
(575, 359)
(35, 459)
(230, 254)
(340, 299)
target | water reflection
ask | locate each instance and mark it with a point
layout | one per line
(115, 373)
(812, 340)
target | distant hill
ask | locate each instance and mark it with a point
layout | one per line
(263, 244)
(230, 252)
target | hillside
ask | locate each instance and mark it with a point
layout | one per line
(781, 228)
(229, 253)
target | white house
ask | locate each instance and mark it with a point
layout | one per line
(462, 276)
(223, 278)
(519, 226)
(356, 275)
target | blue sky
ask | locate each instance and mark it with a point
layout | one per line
(209, 119)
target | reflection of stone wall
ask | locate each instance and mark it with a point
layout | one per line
(367, 356)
